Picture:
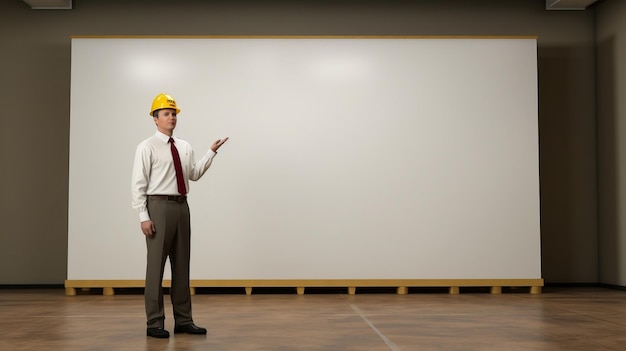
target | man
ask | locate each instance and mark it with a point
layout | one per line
(163, 166)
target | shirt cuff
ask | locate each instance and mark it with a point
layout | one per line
(144, 216)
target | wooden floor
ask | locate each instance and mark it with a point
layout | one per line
(558, 319)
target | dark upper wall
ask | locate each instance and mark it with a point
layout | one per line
(35, 71)
(611, 116)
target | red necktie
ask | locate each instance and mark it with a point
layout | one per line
(179, 169)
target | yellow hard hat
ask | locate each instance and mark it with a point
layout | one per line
(163, 101)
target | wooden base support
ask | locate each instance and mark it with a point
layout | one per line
(402, 285)
(496, 290)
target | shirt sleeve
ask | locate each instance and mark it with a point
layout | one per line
(200, 167)
(140, 178)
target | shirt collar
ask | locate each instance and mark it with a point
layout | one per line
(164, 137)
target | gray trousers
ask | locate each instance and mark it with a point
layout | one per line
(172, 238)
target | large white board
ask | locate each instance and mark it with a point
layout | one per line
(353, 158)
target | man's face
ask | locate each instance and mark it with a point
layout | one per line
(166, 120)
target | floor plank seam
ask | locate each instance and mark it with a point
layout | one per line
(389, 343)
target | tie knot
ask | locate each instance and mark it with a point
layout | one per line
(171, 140)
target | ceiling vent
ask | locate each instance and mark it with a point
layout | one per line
(550, 4)
(568, 4)
(49, 4)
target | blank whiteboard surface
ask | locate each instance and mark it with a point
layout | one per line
(347, 159)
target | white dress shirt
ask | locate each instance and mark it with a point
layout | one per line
(154, 173)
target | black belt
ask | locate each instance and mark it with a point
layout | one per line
(177, 198)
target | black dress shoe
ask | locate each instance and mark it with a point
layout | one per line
(189, 329)
(158, 333)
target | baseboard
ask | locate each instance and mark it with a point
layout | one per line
(32, 286)
(613, 286)
(571, 285)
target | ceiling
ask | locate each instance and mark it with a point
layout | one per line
(550, 4)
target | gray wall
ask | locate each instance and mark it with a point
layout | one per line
(611, 78)
(35, 87)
